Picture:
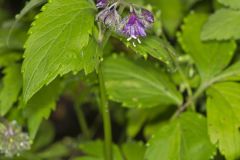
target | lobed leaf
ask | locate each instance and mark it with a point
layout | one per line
(138, 85)
(222, 25)
(223, 118)
(55, 43)
(210, 57)
(235, 4)
(183, 139)
(41, 105)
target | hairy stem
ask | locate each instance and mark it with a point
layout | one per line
(106, 117)
(108, 155)
(102, 40)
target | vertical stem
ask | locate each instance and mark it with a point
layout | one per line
(103, 97)
(106, 117)
(82, 121)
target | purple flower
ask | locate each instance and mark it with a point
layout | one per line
(102, 3)
(147, 16)
(134, 28)
(109, 16)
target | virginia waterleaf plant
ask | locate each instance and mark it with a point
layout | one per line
(142, 79)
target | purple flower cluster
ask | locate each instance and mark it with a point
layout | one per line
(132, 26)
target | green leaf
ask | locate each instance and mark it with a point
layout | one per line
(29, 6)
(138, 117)
(12, 39)
(90, 56)
(7, 58)
(138, 85)
(12, 84)
(98, 151)
(133, 150)
(223, 109)
(44, 137)
(87, 158)
(235, 4)
(187, 4)
(210, 57)
(40, 106)
(172, 13)
(55, 151)
(153, 46)
(232, 73)
(185, 138)
(214, 30)
(56, 40)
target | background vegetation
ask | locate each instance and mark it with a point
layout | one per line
(64, 94)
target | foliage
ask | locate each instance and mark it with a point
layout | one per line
(120, 80)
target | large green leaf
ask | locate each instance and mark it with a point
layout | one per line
(56, 39)
(223, 110)
(12, 84)
(222, 25)
(138, 85)
(235, 4)
(210, 57)
(41, 105)
(183, 139)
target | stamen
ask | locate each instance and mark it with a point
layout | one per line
(129, 39)
(139, 41)
(134, 45)
(134, 37)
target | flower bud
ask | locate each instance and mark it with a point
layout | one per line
(147, 16)
(101, 3)
(109, 16)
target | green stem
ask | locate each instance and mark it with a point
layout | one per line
(102, 40)
(191, 100)
(179, 69)
(106, 117)
(82, 121)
